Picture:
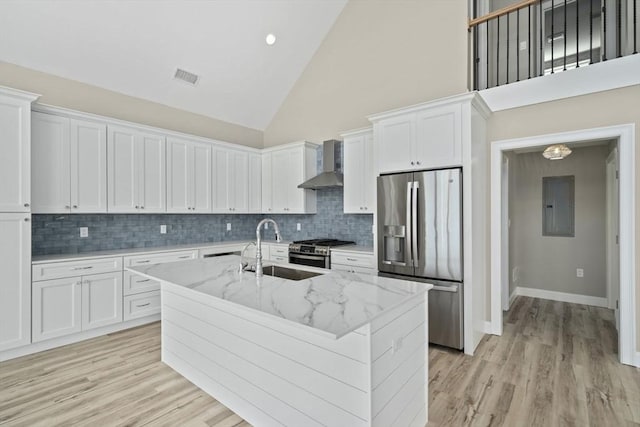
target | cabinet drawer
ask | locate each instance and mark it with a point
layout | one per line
(59, 270)
(141, 305)
(279, 258)
(359, 260)
(133, 261)
(352, 269)
(281, 251)
(136, 284)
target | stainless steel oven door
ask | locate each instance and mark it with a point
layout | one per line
(320, 261)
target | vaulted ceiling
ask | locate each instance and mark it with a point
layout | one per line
(135, 46)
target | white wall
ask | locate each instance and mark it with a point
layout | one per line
(550, 262)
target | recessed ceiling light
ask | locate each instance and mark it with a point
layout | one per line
(270, 39)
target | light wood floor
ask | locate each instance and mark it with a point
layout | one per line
(555, 365)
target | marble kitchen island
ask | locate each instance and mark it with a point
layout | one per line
(338, 349)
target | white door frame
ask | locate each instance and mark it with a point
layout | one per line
(625, 135)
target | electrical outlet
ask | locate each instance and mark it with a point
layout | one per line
(228, 226)
(298, 227)
(163, 229)
(579, 272)
(266, 225)
(396, 345)
(523, 45)
(84, 231)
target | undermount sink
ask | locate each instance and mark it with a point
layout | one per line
(288, 273)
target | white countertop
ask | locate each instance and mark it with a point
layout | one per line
(40, 259)
(333, 303)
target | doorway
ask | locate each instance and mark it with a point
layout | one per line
(625, 137)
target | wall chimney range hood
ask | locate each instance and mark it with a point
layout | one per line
(330, 176)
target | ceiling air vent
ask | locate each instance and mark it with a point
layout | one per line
(186, 76)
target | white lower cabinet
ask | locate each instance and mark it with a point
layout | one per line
(66, 306)
(141, 305)
(15, 282)
(353, 262)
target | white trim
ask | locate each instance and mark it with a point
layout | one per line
(606, 75)
(625, 134)
(560, 296)
(74, 338)
(488, 328)
(637, 360)
(512, 297)
(74, 114)
(20, 94)
(356, 132)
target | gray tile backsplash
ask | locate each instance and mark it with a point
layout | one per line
(60, 234)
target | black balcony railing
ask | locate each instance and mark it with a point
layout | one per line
(538, 37)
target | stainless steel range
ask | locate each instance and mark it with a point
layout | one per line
(315, 252)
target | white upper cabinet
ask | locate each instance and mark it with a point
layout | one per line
(188, 176)
(15, 283)
(136, 171)
(15, 161)
(359, 176)
(69, 165)
(255, 183)
(288, 167)
(267, 183)
(424, 137)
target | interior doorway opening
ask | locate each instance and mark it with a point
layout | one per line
(617, 245)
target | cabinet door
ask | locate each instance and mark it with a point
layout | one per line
(369, 176)
(88, 166)
(101, 300)
(221, 178)
(281, 181)
(239, 183)
(255, 183)
(15, 284)
(295, 172)
(56, 308)
(50, 180)
(201, 178)
(354, 172)
(438, 137)
(122, 170)
(267, 183)
(395, 137)
(178, 170)
(15, 161)
(151, 153)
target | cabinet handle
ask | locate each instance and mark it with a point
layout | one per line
(26, 205)
(418, 163)
(366, 208)
(184, 257)
(143, 262)
(82, 268)
(141, 207)
(137, 207)
(143, 281)
(75, 206)
(143, 305)
(67, 207)
(26, 220)
(412, 163)
(351, 259)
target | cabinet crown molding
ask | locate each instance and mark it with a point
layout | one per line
(357, 132)
(308, 144)
(472, 98)
(20, 94)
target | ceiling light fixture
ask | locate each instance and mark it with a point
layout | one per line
(556, 152)
(270, 39)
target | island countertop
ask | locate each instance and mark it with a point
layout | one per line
(332, 304)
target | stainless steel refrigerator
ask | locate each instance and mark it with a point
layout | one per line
(420, 238)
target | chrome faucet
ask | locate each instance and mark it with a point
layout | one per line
(245, 266)
(259, 243)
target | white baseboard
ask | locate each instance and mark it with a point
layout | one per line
(513, 296)
(73, 338)
(561, 296)
(636, 362)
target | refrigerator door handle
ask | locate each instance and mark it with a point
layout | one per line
(409, 238)
(414, 224)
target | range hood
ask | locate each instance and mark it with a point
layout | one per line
(330, 176)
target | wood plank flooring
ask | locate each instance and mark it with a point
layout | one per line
(555, 365)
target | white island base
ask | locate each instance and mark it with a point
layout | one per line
(271, 373)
